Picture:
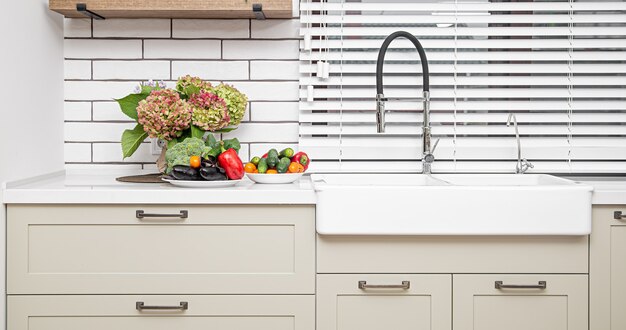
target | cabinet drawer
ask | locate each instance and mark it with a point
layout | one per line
(452, 254)
(120, 313)
(366, 302)
(109, 250)
(555, 302)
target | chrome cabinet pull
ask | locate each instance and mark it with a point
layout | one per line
(140, 214)
(405, 285)
(141, 306)
(540, 285)
(618, 215)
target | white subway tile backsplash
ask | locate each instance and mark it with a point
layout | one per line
(274, 70)
(212, 70)
(182, 49)
(211, 28)
(261, 49)
(108, 111)
(268, 91)
(77, 111)
(135, 70)
(97, 90)
(99, 48)
(275, 111)
(112, 152)
(276, 29)
(77, 69)
(265, 132)
(132, 28)
(96, 132)
(77, 152)
(77, 27)
(121, 53)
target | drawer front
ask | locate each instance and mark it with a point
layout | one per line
(108, 249)
(452, 254)
(120, 313)
(520, 302)
(375, 301)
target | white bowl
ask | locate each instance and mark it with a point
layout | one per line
(274, 178)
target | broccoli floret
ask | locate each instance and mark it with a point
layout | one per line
(180, 153)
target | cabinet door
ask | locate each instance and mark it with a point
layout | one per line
(211, 249)
(520, 302)
(607, 272)
(375, 302)
(237, 312)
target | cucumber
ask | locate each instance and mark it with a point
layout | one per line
(283, 165)
(272, 158)
(262, 167)
(288, 152)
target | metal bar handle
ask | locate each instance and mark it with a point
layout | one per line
(618, 215)
(183, 214)
(405, 285)
(183, 306)
(542, 285)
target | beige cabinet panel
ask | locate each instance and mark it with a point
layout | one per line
(480, 305)
(452, 254)
(423, 304)
(607, 273)
(204, 312)
(107, 249)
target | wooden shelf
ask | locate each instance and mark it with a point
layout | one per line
(174, 8)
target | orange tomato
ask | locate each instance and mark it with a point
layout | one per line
(293, 167)
(271, 171)
(249, 168)
(195, 162)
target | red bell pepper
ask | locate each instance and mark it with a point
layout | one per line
(231, 163)
(302, 158)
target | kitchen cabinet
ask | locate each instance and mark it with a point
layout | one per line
(115, 249)
(380, 301)
(607, 273)
(237, 312)
(174, 9)
(520, 302)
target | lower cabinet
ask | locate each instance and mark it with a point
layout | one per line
(376, 302)
(237, 312)
(520, 302)
(607, 273)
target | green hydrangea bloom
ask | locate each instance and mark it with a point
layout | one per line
(189, 85)
(235, 100)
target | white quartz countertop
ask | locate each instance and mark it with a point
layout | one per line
(102, 188)
(81, 187)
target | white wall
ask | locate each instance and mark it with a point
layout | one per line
(107, 59)
(31, 94)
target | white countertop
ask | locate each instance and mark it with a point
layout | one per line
(101, 188)
(80, 187)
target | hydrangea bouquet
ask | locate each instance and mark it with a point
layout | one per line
(192, 109)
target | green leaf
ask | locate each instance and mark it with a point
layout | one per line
(197, 132)
(129, 103)
(214, 152)
(171, 143)
(232, 143)
(132, 139)
(211, 141)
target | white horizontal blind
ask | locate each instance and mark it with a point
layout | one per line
(559, 66)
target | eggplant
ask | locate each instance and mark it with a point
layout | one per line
(186, 173)
(212, 174)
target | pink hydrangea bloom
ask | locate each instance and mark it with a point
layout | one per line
(164, 114)
(209, 111)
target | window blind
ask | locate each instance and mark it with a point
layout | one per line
(559, 66)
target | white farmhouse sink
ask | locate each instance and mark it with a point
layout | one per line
(451, 204)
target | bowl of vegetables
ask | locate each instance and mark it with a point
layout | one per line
(276, 167)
